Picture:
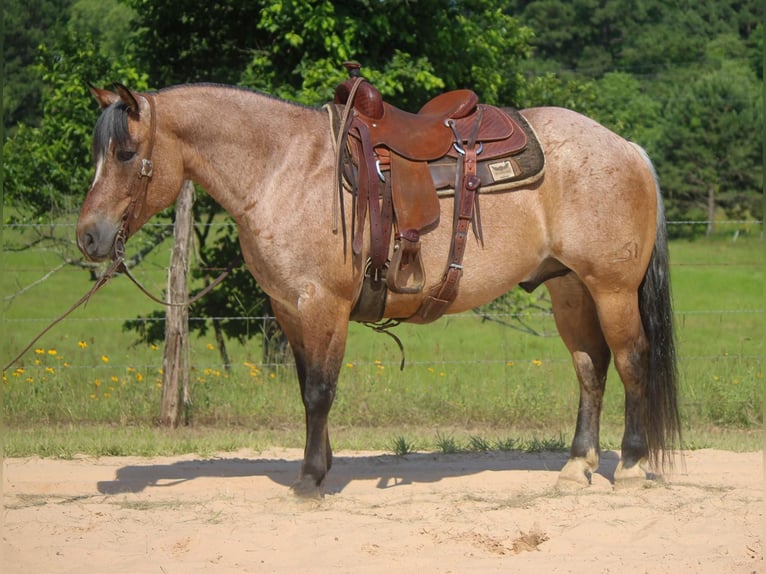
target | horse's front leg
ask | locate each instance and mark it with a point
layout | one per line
(317, 332)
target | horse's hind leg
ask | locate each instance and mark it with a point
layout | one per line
(578, 325)
(317, 337)
(621, 323)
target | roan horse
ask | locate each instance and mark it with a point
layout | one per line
(592, 229)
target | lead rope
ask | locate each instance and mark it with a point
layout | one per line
(118, 266)
(84, 299)
(122, 268)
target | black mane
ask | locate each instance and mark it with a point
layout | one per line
(111, 125)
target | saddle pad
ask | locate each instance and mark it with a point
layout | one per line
(498, 171)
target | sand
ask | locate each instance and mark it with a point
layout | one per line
(423, 513)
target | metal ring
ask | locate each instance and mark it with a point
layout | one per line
(458, 149)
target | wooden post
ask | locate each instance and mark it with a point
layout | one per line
(175, 361)
(710, 211)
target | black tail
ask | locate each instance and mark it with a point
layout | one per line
(662, 419)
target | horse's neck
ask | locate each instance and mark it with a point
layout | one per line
(236, 141)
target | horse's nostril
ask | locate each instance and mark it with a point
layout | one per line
(92, 243)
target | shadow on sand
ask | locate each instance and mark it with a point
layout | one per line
(387, 470)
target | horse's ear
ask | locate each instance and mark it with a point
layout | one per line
(128, 98)
(105, 98)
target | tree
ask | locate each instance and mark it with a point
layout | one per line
(620, 103)
(28, 24)
(294, 49)
(678, 77)
(106, 21)
(712, 147)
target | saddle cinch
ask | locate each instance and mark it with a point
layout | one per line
(399, 163)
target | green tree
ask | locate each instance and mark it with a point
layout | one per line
(621, 104)
(107, 21)
(294, 49)
(711, 147)
(28, 24)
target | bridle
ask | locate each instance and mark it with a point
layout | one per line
(118, 265)
(144, 177)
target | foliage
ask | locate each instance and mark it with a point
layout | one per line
(294, 49)
(712, 144)
(409, 50)
(27, 24)
(680, 78)
(107, 21)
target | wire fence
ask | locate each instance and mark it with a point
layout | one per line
(37, 265)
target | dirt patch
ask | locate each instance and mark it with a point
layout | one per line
(492, 512)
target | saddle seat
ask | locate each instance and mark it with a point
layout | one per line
(425, 135)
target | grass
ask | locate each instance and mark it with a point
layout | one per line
(468, 384)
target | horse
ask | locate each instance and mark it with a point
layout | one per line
(591, 229)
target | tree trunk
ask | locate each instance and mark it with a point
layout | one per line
(710, 212)
(175, 362)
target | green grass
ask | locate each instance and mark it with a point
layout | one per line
(87, 388)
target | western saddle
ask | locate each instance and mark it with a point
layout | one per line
(395, 162)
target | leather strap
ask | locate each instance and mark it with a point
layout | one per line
(445, 293)
(147, 168)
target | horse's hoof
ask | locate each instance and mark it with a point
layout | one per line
(306, 487)
(635, 476)
(575, 475)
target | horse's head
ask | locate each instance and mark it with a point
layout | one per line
(135, 173)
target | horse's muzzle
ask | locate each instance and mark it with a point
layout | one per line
(96, 239)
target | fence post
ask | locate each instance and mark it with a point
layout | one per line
(175, 361)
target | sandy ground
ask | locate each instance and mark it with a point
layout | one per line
(494, 512)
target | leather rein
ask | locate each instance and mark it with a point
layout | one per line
(118, 248)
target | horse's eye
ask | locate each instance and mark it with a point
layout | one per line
(125, 155)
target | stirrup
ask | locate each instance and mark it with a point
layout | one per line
(405, 274)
